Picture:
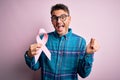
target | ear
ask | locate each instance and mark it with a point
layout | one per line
(69, 18)
(51, 21)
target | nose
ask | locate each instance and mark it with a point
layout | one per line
(58, 20)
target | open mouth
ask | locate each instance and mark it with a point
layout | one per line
(60, 28)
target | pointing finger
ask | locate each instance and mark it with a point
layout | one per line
(92, 41)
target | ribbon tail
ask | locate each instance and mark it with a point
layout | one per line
(37, 56)
(47, 52)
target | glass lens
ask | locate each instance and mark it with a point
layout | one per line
(62, 17)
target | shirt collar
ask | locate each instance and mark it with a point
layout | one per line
(65, 36)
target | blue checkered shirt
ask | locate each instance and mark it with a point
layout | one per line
(68, 58)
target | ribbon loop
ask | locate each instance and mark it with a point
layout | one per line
(42, 41)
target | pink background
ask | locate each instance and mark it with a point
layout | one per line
(21, 19)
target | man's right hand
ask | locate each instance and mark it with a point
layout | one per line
(33, 49)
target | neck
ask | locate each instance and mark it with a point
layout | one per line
(63, 34)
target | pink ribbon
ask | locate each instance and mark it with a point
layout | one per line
(43, 42)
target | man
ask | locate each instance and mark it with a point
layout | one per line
(69, 54)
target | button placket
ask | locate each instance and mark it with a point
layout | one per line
(60, 52)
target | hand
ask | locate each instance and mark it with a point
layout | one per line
(92, 47)
(33, 49)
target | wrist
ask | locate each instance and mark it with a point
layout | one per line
(29, 54)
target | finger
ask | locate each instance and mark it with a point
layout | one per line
(31, 54)
(34, 46)
(93, 50)
(34, 53)
(92, 41)
(38, 45)
(35, 50)
(96, 45)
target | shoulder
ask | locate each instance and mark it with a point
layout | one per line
(50, 33)
(77, 36)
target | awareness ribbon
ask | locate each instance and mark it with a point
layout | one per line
(43, 47)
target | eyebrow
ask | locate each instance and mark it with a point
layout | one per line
(60, 15)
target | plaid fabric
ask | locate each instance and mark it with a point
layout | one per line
(68, 58)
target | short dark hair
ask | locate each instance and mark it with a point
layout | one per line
(58, 7)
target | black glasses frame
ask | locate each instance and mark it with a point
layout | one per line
(63, 17)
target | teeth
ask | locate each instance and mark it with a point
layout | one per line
(60, 26)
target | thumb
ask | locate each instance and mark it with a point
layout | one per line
(92, 43)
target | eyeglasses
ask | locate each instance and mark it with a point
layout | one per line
(63, 17)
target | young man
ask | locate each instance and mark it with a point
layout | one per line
(69, 54)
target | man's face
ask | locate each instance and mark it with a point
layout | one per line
(60, 20)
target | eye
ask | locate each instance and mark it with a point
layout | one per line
(54, 18)
(63, 16)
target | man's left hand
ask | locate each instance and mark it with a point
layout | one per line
(92, 47)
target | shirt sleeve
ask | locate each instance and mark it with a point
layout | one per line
(31, 62)
(85, 61)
